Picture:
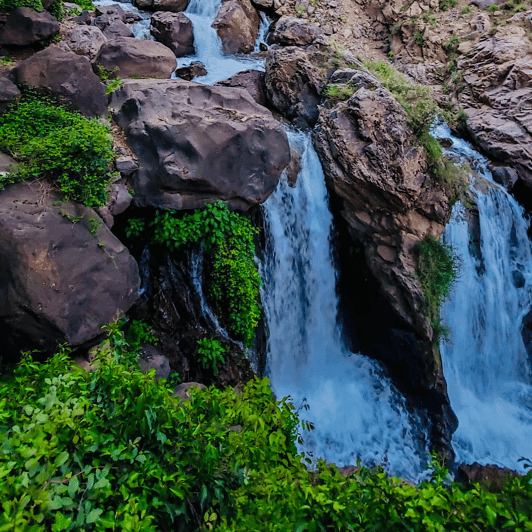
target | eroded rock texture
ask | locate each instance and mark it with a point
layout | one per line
(198, 144)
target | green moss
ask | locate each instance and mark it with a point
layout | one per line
(339, 93)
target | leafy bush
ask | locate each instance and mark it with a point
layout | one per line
(9, 5)
(113, 450)
(228, 242)
(339, 93)
(419, 38)
(437, 269)
(447, 4)
(211, 353)
(49, 141)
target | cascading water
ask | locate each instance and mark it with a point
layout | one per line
(353, 406)
(485, 360)
(208, 46)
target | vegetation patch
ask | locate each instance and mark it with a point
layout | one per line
(339, 93)
(228, 243)
(437, 270)
(49, 141)
(113, 450)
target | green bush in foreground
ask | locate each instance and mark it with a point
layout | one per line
(228, 243)
(9, 5)
(113, 450)
(51, 142)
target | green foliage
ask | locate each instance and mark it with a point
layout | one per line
(445, 5)
(9, 5)
(106, 74)
(135, 228)
(437, 269)
(339, 93)
(228, 242)
(113, 450)
(493, 8)
(210, 354)
(113, 85)
(85, 4)
(49, 141)
(6, 60)
(419, 38)
(57, 9)
(138, 333)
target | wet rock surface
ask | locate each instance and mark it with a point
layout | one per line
(197, 144)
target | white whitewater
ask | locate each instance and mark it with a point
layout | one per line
(355, 411)
(485, 361)
(208, 46)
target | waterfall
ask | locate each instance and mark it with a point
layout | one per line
(355, 410)
(485, 361)
(209, 48)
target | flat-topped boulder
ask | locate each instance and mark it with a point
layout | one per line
(173, 30)
(25, 26)
(63, 274)
(68, 75)
(136, 57)
(197, 144)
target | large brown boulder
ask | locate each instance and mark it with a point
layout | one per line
(291, 31)
(25, 26)
(136, 57)
(85, 40)
(175, 6)
(197, 144)
(295, 82)
(63, 274)
(237, 24)
(173, 30)
(68, 75)
(377, 176)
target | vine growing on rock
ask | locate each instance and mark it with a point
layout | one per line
(49, 141)
(113, 450)
(228, 243)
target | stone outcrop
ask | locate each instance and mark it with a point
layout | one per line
(377, 176)
(490, 477)
(25, 26)
(175, 6)
(85, 40)
(65, 74)
(237, 24)
(295, 82)
(251, 80)
(197, 144)
(136, 57)
(173, 30)
(59, 282)
(117, 28)
(497, 98)
(292, 31)
(189, 72)
(8, 93)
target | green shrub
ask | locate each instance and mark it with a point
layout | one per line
(437, 269)
(113, 450)
(228, 243)
(9, 5)
(447, 4)
(339, 93)
(49, 141)
(210, 354)
(419, 38)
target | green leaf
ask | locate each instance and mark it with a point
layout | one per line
(93, 515)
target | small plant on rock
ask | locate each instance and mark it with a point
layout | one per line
(211, 354)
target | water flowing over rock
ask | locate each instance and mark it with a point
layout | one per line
(65, 74)
(135, 57)
(58, 281)
(173, 30)
(377, 174)
(25, 26)
(197, 144)
(237, 24)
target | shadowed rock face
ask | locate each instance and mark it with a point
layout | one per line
(25, 26)
(237, 24)
(291, 31)
(252, 81)
(198, 144)
(173, 30)
(58, 281)
(175, 6)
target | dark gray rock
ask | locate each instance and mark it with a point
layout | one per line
(8, 93)
(189, 72)
(25, 26)
(68, 75)
(251, 80)
(291, 31)
(59, 282)
(237, 24)
(175, 6)
(85, 40)
(117, 29)
(197, 144)
(173, 30)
